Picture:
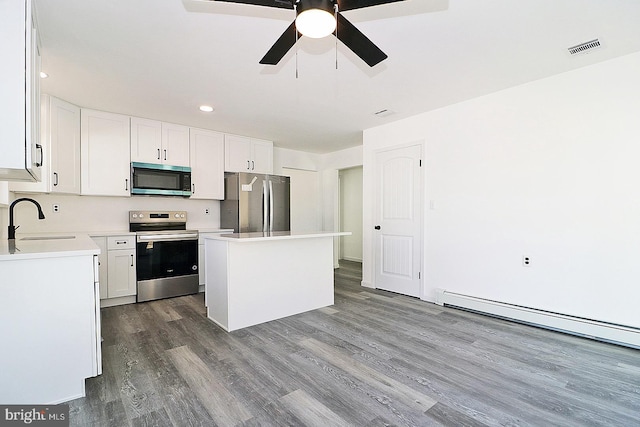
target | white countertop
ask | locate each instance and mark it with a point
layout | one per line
(111, 233)
(47, 245)
(274, 235)
(215, 230)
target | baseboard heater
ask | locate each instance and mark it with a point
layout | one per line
(594, 329)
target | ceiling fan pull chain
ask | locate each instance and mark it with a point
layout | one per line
(336, 16)
(295, 9)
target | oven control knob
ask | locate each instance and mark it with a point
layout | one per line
(181, 215)
(135, 215)
(141, 215)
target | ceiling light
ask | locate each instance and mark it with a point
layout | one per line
(206, 108)
(315, 18)
(43, 75)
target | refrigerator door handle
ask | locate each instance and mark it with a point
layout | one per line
(265, 213)
(270, 205)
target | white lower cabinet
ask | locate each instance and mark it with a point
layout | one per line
(102, 264)
(117, 268)
(51, 328)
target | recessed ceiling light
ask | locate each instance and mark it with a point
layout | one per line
(206, 108)
(43, 75)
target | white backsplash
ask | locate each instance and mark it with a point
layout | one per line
(96, 214)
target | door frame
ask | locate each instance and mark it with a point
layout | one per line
(375, 201)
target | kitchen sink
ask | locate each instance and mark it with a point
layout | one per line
(48, 237)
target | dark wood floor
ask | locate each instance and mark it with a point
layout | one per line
(372, 359)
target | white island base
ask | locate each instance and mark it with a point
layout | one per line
(251, 278)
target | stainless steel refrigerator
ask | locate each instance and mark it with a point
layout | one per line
(255, 203)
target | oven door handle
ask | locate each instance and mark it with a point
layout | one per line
(167, 237)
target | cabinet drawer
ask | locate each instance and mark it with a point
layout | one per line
(121, 242)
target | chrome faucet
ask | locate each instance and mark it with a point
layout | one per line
(12, 229)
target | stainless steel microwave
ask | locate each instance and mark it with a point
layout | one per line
(151, 179)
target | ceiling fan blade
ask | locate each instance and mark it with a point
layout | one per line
(281, 46)
(358, 42)
(283, 4)
(359, 4)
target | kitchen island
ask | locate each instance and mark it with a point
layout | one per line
(251, 278)
(49, 318)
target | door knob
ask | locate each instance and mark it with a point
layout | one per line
(377, 227)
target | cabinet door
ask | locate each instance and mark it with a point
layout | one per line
(201, 262)
(4, 193)
(207, 164)
(237, 153)
(122, 273)
(103, 265)
(64, 134)
(43, 186)
(105, 153)
(33, 98)
(60, 140)
(261, 156)
(20, 88)
(175, 144)
(146, 140)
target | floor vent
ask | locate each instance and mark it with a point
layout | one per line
(585, 47)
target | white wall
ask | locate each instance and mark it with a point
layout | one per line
(351, 213)
(330, 165)
(548, 169)
(306, 200)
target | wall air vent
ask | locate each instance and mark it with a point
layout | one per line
(384, 113)
(585, 47)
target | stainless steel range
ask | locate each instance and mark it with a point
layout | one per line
(166, 254)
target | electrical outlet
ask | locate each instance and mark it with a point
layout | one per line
(526, 261)
(206, 211)
(56, 208)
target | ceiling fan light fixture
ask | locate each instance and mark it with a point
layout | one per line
(315, 18)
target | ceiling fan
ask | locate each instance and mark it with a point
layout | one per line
(317, 19)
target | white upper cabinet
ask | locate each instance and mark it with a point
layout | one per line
(21, 157)
(157, 142)
(64, 141)
(262, 155)
(4, 193)
(60, 136)
(105, 153)
(175, 144)
(207, 164)
(244, 154)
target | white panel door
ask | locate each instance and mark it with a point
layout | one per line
(398, 221)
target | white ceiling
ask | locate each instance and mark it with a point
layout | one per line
(161, 59)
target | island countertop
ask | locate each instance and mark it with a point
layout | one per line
(252, 278)
(275, 235)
